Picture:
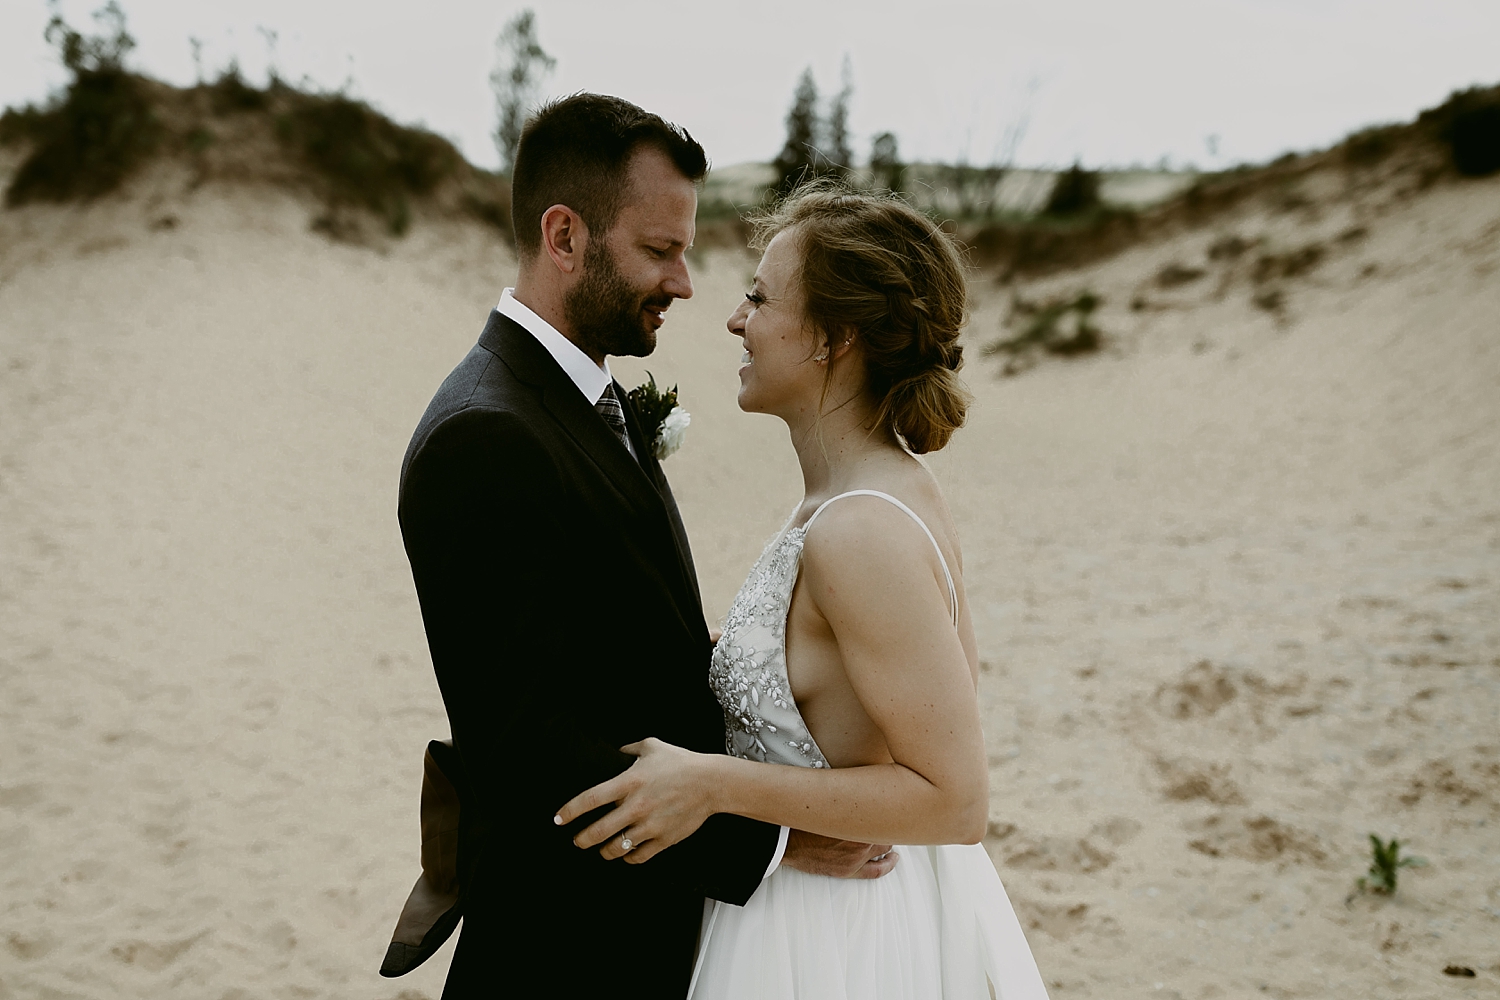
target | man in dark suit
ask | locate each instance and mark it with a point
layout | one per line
(556, 584)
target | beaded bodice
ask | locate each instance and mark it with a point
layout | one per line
(748, 671)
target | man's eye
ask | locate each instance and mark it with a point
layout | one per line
(657, 252)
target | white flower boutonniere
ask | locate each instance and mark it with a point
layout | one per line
(673, 430)
(664, 422)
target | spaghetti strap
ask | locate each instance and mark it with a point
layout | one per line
(952, 590)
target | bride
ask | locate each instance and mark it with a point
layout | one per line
(849, 652)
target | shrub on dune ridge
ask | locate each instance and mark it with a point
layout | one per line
(109, 123)
(1075, 192)
(363, 157)
(1474, 136)
(1468, 122)
(88, 140)
(1073, 227)
(1036, 245)
(23, 124)
(1370, 146)
(230, 93)
(1462, 136)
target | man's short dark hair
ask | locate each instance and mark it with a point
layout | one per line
(575, 150)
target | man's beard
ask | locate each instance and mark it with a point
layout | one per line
(606, 315)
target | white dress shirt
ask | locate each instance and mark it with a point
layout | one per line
(591, 380)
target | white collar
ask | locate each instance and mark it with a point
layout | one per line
(590, 378)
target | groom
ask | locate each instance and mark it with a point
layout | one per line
(557, 589)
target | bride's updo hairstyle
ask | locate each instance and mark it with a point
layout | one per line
(874, 267)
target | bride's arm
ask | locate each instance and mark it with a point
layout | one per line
(870, 576)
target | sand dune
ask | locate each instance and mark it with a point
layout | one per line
(1236, 581)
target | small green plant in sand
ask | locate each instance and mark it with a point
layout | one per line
(1385, 862)
(1063, 326)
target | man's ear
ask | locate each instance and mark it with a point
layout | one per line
(564, 237)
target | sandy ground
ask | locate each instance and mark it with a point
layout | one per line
(1236, 582)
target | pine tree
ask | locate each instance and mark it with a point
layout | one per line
(838, 157)
(797, 161)
(521, 64)
(886, 169)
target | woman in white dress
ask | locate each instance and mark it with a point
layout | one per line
(849, 653)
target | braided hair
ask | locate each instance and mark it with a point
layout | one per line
(875, 270)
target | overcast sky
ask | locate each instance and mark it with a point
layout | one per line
(1103, 81)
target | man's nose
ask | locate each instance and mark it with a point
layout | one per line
(679, 283)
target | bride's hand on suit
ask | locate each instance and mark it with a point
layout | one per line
(662, 798)
(668, 793)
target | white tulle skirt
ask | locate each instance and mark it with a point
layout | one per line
(939, 927)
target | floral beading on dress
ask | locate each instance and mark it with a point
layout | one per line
(748, 670)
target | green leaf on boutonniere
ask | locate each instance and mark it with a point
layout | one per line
(652, 404)
(662, 420)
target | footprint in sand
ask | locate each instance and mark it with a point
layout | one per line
(1460, 780)
(1188, 781)
(1257, 838)
(1084, 855)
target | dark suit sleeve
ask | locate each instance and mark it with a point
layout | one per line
(506, 590)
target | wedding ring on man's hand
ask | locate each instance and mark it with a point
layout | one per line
(881, 857)
(626, 844)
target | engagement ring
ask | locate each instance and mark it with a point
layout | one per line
(626, 844)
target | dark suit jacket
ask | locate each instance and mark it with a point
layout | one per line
(564, 621)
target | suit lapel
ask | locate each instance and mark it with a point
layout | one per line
(534, 366)
(652, 469)
(642, 483)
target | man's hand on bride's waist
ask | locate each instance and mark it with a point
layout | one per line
(815, 855)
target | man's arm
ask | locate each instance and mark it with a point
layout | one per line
(499, 578)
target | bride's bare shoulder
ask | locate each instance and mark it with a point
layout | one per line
(865, 533)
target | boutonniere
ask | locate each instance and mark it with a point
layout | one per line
(664, 421)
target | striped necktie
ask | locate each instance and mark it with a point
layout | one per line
(609, 408)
